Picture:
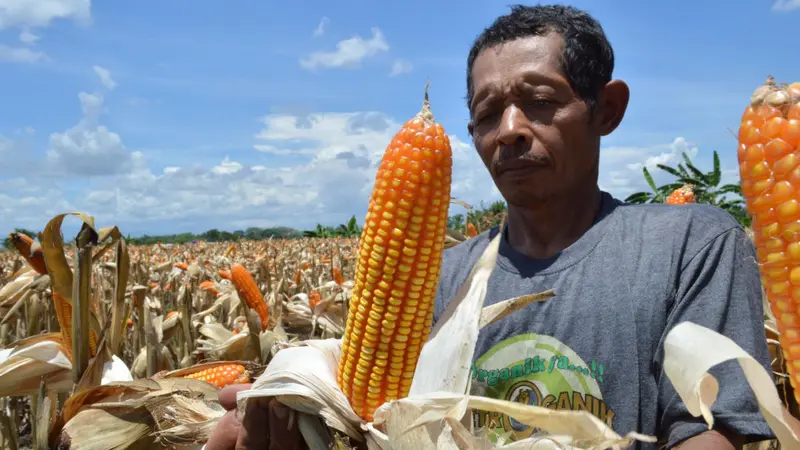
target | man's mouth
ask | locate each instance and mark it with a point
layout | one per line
(519, 166)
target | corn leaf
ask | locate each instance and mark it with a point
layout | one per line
(445, 360)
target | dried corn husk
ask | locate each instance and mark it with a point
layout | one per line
(23, 366)
(303, 376)
(13, 291)
(164, 361)
(691, 350)
(141, 414)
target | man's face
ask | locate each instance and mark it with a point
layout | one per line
(533, 133)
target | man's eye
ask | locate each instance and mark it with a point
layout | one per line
(542, 102)
(484, 115)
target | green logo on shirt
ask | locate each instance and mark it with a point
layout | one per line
(537, 370)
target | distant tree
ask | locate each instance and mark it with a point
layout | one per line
(456, 222)
(321, 232)
(351, 229)
(706, 185)
(212, 235)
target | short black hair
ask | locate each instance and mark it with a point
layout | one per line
(588, 58)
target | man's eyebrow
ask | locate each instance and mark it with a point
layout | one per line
(486, 91)
(538, 78)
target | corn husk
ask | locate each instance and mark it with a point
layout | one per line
(141, 414)
(13, 291)
(29, 360)
(303, 376)
(691, 350)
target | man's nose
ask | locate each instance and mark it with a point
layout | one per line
(514, 127)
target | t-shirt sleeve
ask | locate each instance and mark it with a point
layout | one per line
(718, 288)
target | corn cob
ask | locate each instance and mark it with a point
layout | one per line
(224, 274)
(220, 374)
(337, 276)
(64, 317)
(25, 246)
(314, 298)
(249, 293)
(209, 286)
(398, 264)
(230, 251)
(471, 231)
(681, 196)
(769, 167)
(182, 266)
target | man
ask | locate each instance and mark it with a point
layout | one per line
(541, 95)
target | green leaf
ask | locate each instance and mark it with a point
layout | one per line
(669, 170)
(683, 172)
(649, 179)
(686, 159)
(699, 176)
(668, 188)
(730, 189)
(716, 173)
(639, 198)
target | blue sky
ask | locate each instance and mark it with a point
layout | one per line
(162, 117)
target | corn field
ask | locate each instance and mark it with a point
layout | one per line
(177, 322)
(166, 311)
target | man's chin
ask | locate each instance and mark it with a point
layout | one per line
(528, 197)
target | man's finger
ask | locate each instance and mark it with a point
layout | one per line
(255, 431)
(227, 395)
(283, 428)
(224, 435)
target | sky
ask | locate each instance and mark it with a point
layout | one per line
(171, 116)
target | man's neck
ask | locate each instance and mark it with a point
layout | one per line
(546, 228)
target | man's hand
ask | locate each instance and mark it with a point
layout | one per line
(711, 440)
(266, 425)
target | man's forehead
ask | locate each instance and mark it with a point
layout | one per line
(525, 59)
(529, 54)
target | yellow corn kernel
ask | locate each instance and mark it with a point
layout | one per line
(409, 218)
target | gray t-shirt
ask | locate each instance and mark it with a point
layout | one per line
(598, 344)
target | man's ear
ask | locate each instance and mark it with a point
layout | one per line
(470, 128)
(611, 106)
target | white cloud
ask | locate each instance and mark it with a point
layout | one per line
(105, 77)
(621, 167)
(785, 5)
(227, 167)
(400, 67)
(40, 13)
(667, 155)
(28, 38)
(360, 137)
(88, 148)
(20, 54)
(320, 30)
(327, 178)
(348, 53)
(347, 147)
